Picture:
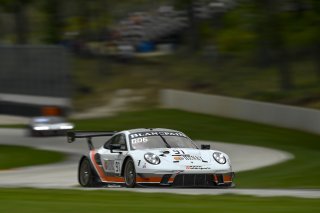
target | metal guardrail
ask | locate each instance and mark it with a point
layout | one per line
(260, 112)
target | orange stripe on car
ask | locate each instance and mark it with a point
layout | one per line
(148, 180)
(101, 174)
(112, 179)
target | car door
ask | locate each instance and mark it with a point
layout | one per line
(112, 161)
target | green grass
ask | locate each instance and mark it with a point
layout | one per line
(20, 156)
(301, 172)
(69, 201)
(13, 126)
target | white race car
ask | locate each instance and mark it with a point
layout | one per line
(151, 157)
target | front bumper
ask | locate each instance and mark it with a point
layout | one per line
(58, 132)
(186, 180)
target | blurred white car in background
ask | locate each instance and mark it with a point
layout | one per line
(49, 125)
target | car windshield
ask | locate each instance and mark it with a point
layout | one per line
(48, 120)
(151, 140)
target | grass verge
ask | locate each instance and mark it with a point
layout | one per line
(45, 201)
(20, 156)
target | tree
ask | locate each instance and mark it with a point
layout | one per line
(193, 36)
(271, 45)
(54, 20)
(19, 10)
(93, 16)
(316, 24)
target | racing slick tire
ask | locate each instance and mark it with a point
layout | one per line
(129, 174)
(85, 174)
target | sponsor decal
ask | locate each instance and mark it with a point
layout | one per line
(196, 168)
(178, 158)
(180, 155)
(104, 164)
(117, 166)
(154, 133)
(192, 157)
(188, 157)
(109, 165)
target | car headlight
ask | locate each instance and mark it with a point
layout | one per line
(152, 158)
(219, 157)
(67, 126)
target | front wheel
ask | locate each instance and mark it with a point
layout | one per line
(85, 175)
(130, 174)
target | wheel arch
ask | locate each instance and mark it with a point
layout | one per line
(82, 158)
(93, 170)
(124, 163)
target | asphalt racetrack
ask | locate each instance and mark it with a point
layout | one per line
(64, 175)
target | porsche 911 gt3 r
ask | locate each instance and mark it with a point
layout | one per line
(144, 157)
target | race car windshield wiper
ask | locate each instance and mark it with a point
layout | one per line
(164, 140)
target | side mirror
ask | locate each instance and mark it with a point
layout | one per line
(205, 146)
(115, 147)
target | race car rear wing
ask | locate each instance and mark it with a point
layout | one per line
(71, 136)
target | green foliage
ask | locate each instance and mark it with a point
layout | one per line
(237, 35)
(13, 5)
(229, 43)
(54, 23)
(299, 28)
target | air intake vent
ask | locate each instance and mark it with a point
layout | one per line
(191, 180)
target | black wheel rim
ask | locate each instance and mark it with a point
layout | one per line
(130, 174)
(84, 172)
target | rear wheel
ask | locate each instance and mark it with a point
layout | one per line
(85, 174)
(130, 174)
